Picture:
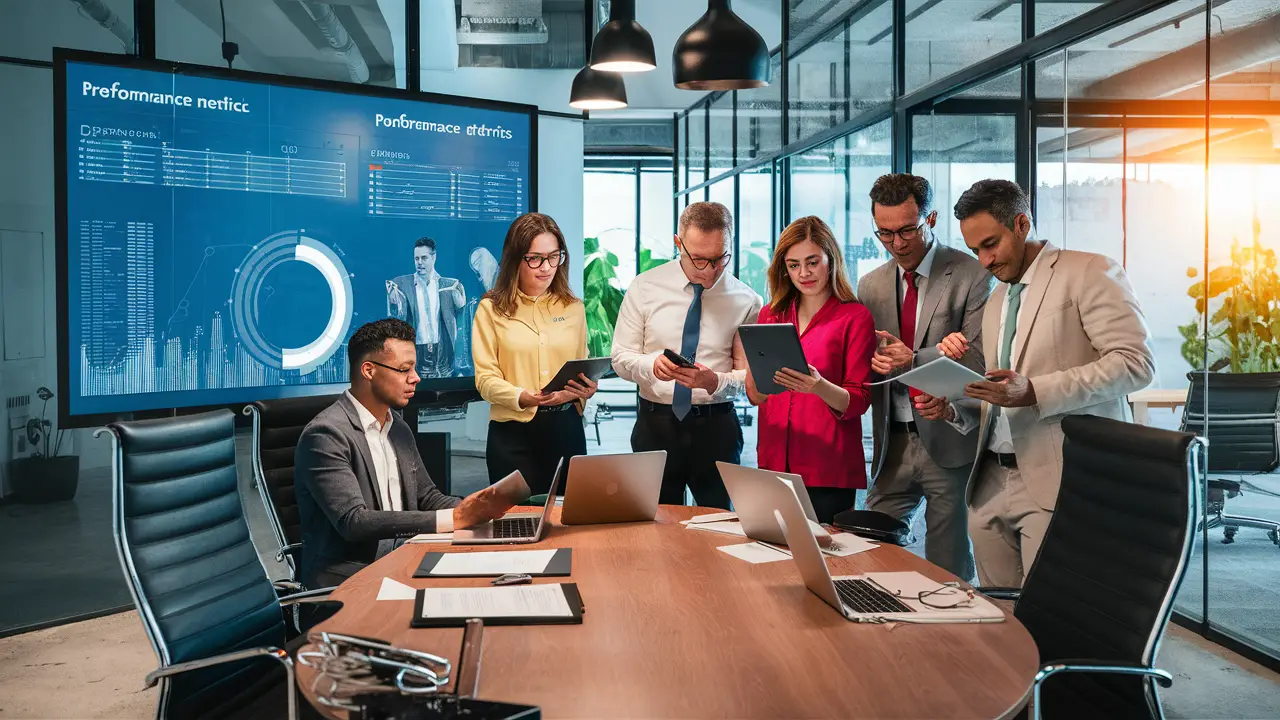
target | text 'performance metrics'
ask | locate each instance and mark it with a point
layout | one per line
(224, 237)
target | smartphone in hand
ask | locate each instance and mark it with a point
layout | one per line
(678, 359)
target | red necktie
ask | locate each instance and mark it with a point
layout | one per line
(909, 318)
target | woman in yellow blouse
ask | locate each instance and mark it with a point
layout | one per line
(526, 328)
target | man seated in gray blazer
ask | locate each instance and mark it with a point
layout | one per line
(927, 301)
(360, 482)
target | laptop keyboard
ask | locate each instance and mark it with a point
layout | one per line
(863, 597)
(522, 527)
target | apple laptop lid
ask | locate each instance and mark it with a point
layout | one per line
(613, 488)
(754, 508)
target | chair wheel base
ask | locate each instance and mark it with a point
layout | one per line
(1228, 535)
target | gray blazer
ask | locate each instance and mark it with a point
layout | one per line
(343, 524)
(954, 298)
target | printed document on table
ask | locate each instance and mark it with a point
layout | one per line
(394, 590)
(754, 552)
(496, 562)
(944, 378)
(519, 601)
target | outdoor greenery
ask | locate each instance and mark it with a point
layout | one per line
(602, 295)
(1244, 329)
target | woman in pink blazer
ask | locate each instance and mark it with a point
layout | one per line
(814, 428)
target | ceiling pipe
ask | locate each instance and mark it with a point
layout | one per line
(339, 39)
(107, 18)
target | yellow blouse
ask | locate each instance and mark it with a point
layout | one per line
(524, 351)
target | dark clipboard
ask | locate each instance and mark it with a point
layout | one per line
(571, 596)
(561, 565)
(769, 348)
(594, 368)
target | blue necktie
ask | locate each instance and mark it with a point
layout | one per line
(682, 399)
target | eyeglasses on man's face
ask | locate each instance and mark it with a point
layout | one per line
(908, 234)
(402, 371)
(704, 263)
(535, 261)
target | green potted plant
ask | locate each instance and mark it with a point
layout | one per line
(1244, 329)
(45, 476)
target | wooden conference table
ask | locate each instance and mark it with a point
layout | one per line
(677, 629)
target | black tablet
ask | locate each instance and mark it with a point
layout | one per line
(771, 347)
(594, 368)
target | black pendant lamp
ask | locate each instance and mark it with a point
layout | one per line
(623, 45)
(596, 90)
(720, 52)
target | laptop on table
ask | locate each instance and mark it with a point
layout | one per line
(873, 597)
(616, 488)
(749, 491)
(517, 528)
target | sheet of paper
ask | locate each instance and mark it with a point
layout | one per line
(711, 517)
(513, 488)
(725, 527)
(845, 544)
(495, 562)
(943, 377)
(431, 538)
(490, 602)
(754, 552)
(394, 590)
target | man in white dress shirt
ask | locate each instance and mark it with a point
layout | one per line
(1063, 335)
(360, 483)
(431, 304)
(692, 307)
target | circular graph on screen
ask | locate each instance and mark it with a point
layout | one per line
(285, 247)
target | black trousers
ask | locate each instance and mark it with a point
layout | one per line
(693, 446)
(829, 501)
(535, 447)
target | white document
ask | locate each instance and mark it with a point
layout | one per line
(393, 590)
(725, 527)
(431, 538)
(496, 562)
(711, 517)
(943, 378)
(846, 544)
(494, 602)
(755, 553)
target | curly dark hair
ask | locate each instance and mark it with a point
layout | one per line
(372, 337)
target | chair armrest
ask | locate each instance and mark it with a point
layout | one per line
(306, 596)
(1000, 593)
(287, 587)
(1048, 670)
(272, 652)
(290, 550)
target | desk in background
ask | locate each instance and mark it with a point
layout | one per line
(676, 629)
(1143, 400)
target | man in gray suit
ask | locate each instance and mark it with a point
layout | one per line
(431, 304)
(360, 482)
(926, 301)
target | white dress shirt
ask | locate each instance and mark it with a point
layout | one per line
(899, 395)
(429, 301)
(385, 468)
(651, 319)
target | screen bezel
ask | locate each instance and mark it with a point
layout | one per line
(428, 390)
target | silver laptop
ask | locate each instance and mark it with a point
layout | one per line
(873, 597)
(517, 528)
(613, 488)
(754, 508)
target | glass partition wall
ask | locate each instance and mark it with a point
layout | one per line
(1145, 130)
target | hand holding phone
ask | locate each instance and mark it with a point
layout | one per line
(677, 359)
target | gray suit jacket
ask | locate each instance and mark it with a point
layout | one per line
(343, 524)
(412, 313)
(955, 295)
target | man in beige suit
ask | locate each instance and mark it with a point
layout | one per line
(1062, 335)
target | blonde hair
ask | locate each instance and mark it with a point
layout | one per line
(782, 291)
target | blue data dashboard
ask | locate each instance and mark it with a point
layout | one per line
(224, 237)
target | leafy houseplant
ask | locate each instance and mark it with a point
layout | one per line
(601, 294)
(1244, 331)
(45, 476)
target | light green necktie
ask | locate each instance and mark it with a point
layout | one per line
(1010, 324)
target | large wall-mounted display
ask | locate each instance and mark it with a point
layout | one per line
(221, 235)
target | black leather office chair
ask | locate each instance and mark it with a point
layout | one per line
(277, 425)
(1100, 593)
(1244, 438)
(205, 600)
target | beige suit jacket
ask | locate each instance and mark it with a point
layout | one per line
(1083, 342)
